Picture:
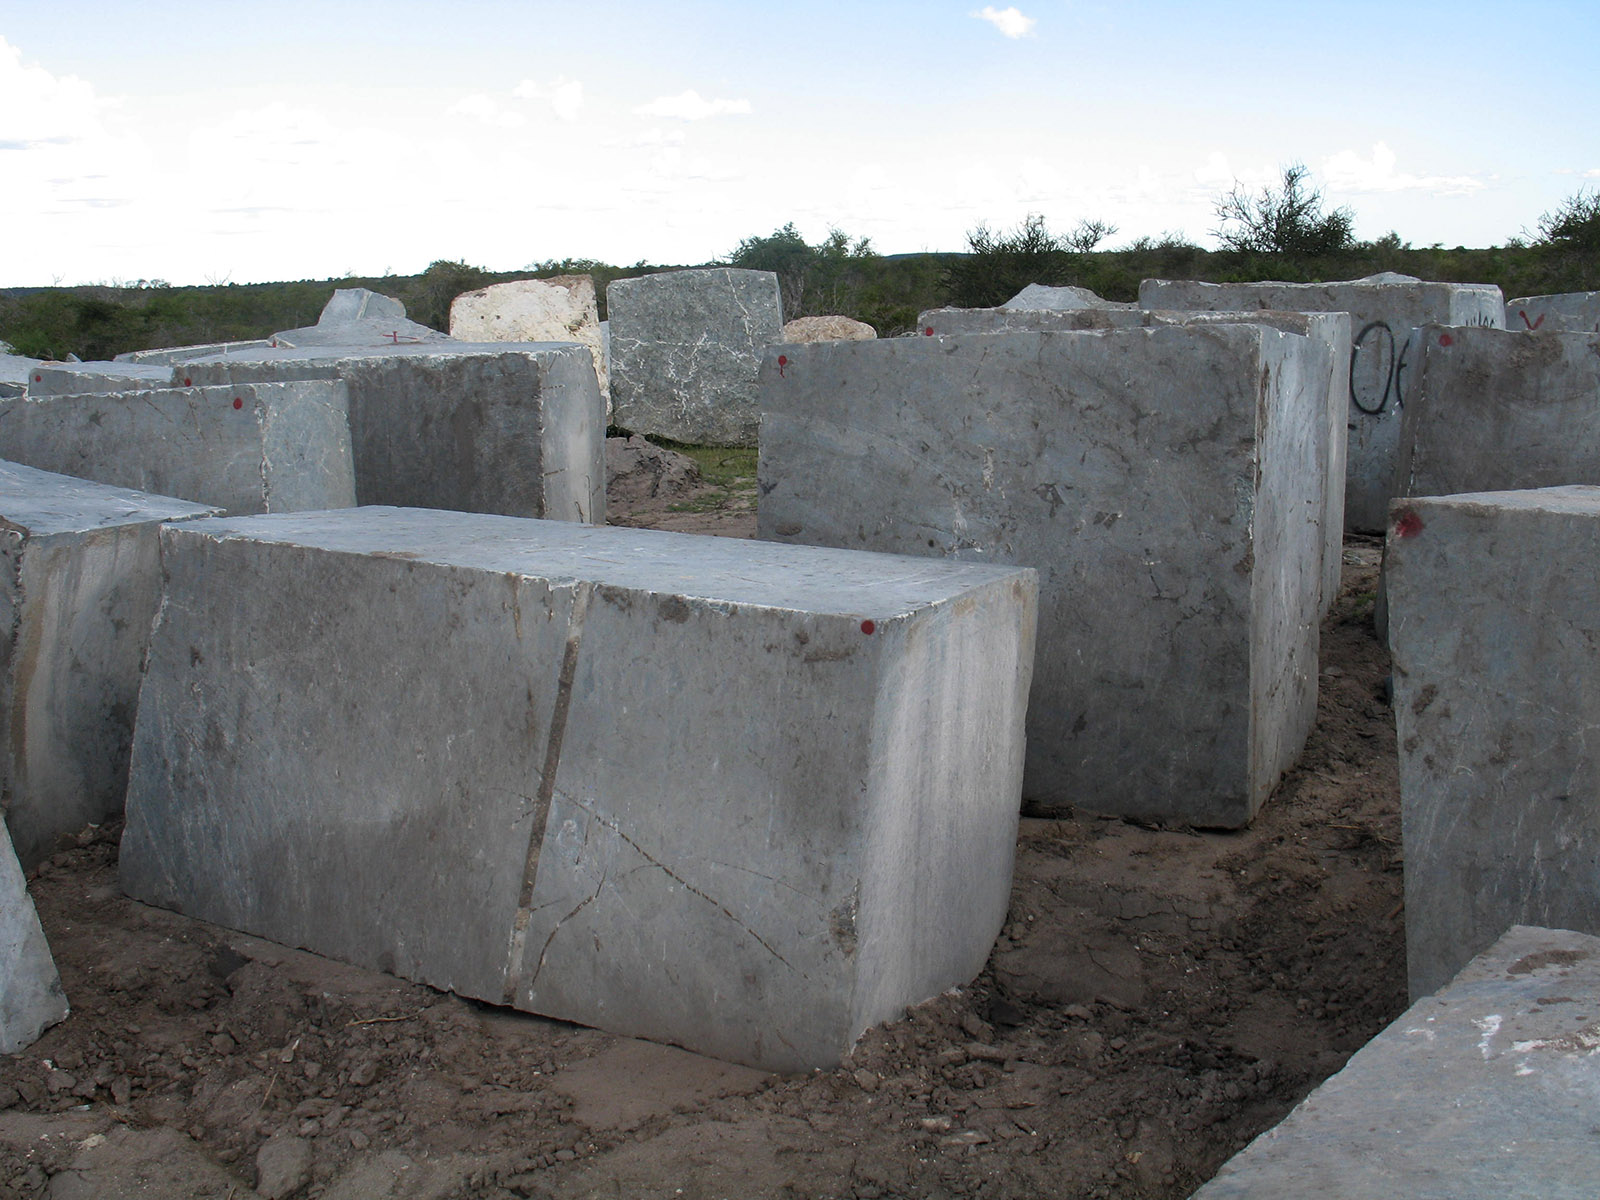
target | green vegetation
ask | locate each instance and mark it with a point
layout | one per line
(1280, 233)
(731, 470)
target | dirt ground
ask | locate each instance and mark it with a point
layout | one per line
(1158, 998)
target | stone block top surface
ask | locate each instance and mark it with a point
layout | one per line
(330, 356)
(43, 502)
(1576, 500)
(1485, 1090)
(761, 574)
(1059, 299)
(66, 379)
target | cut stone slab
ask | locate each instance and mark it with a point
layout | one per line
(79, 378)
(14, 371)
(1490, 410)
(253, 448)
(81, 582)
(1166, 482)
(359, 317)
(1331, 329)
(178, 354)
(1042, 296)
(828, 329)
(686, 347)
(1385, 310)
(743, 797)
(562, 308)
(1485, 1091)
(515, 429)
(1565, 312)
(31, 999)
(1494, 620)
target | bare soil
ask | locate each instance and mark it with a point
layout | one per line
(1158, 998)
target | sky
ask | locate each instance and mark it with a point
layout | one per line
(212, 142)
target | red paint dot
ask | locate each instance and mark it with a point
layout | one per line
(928, 332)
(1446, 340)
(1407, 524)
(38, 378)
(783, 360)
(868, 628)
(238, 403)
(187, 382)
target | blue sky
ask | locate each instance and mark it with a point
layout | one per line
(198, 142)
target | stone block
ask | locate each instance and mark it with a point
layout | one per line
(743, 797)
(1039, 296)
(358, 317)
(177, 354)
(14, 371)
(1384, 311)
(827, 329)
(1494, 621)
(31, 999)
(512, 429)
(1330, 329)
(245, 449)
(81, 580)
(1564, 312)
(80, 378)
(1485, 1091)
(686, 347)
(562, 308)
(1490, 410)
(1166, 483)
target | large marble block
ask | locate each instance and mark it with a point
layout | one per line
(248, 448)
(516, 429)
(31, 999)
(1491, 410)
(1385, 311)
(78, 378)
(1563, 312)
(685, 350)
(562, 308)
(1494, 620)
(1167, 484)
(744, 797)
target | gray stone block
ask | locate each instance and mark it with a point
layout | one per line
(1564, 312)
(81, 580)
(14, 371)
(1059, 299)
(79, 378)
(1384, 310)
(685, 348)
(31, 999)
(1166, 482)
(1489, 410)
(177, 354)
(744, 797)
(1494, 620)
(244, 449)
(516, 429)
(1485, 1091)
(358, 317)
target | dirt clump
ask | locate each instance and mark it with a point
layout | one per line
(1157, 998)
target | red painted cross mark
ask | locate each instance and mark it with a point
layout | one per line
(1523, 313)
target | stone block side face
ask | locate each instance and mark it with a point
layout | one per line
(307, 459)
(1383, 316)
(1568, 312)
(1493, 410)
(82, 606)
(267, 740)
(204, 444)
(573, 428)
(947, 765)
(1497, 679)
(1289, 552)
(1121, 466)
(31, 999)
(686, 347)
(78, 379)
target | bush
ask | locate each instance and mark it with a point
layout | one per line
(1285, 221)
(999, 265)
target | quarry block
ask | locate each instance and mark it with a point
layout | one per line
(513, 429)
(1039, 296)
(243, 449)
(1494, 622)
(827, 329)
(743, 797)
(1483, 1091)
(78, 378)
(176, 354)
(562, 308)
(1385, 310)
(14, 371)
(1564, 312)
(31, 999)
(359, 317)
(81, 581)
(686, 347)
(1491, 410)
(1167, 484)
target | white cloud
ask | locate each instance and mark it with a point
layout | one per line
(485, 108)
(1347, 171)
(691, 106)
(38, 108)
(1008, 21)
(565, 95)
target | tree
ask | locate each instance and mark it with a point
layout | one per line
(1287, 220)
(812, 280)
(999, 265)
(1574, 225)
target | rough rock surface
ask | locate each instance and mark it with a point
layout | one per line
(638, 470)
(561, 308)
(828, 329)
